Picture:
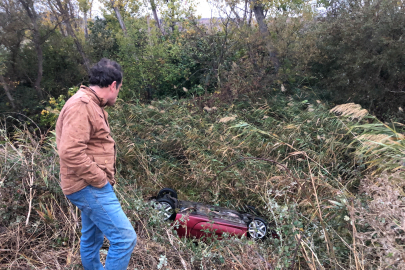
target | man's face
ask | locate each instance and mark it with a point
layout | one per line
(113, 93)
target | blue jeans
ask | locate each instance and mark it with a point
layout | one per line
(102, 215)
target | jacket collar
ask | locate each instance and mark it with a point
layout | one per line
(93, 95)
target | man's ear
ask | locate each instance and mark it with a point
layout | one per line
(114, 85)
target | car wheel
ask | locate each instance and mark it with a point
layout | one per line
(168, 191)
(257, 228)
(166, 207)
(253, 209)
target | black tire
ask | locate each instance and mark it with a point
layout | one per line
(167, 191)
(166, 207)
(253, 209)
(257, 228)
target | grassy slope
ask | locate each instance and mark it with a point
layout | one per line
(177, 144)
(305, 191)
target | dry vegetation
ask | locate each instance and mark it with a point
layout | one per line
(239, 133)
(331, 194)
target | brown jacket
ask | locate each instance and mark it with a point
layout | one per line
(85, 146)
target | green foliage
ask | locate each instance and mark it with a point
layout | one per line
(330, 55)
(61, 68)
(102, 39)
(360, 55)
(60, 71)
(84, 5)
(154, 66)
(50, 114)
(3, 59)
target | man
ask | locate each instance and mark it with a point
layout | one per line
(87, 168)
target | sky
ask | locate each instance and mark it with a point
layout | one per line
(204, 9)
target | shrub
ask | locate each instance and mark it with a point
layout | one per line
(360, 55)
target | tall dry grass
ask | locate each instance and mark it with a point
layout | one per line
(306, 170)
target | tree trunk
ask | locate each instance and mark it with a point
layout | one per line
(245, 12)
(86, 32)
(7, 90)
(14, 54)
(155, 16)
(37, 83)
(78, 46)
(29, 8)
(71, 13)
(119, 17)
(91, 5)
(172, 23)
(250, 18)
(238, 19)
(120, 20)
(149, 31)
(258, 10)
(259, 14)
(62, 31)
(64, 11)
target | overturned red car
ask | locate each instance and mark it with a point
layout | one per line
(200, 220)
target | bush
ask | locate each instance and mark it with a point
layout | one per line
(360, 54)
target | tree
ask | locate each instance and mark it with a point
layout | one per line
(360, 54)
(85, 6)
(115, 6)
(2, 80)
(120, 8)
(257, 7)
(12, 29)
(23, 21)
(63, 9)
(260, 18)
(155, 16)
(34, 28)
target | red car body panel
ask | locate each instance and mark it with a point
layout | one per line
(200, 226)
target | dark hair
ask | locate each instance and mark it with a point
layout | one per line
(105, 72)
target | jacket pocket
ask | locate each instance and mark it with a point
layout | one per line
(67, 171)
(105, 163)
(69, 174)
